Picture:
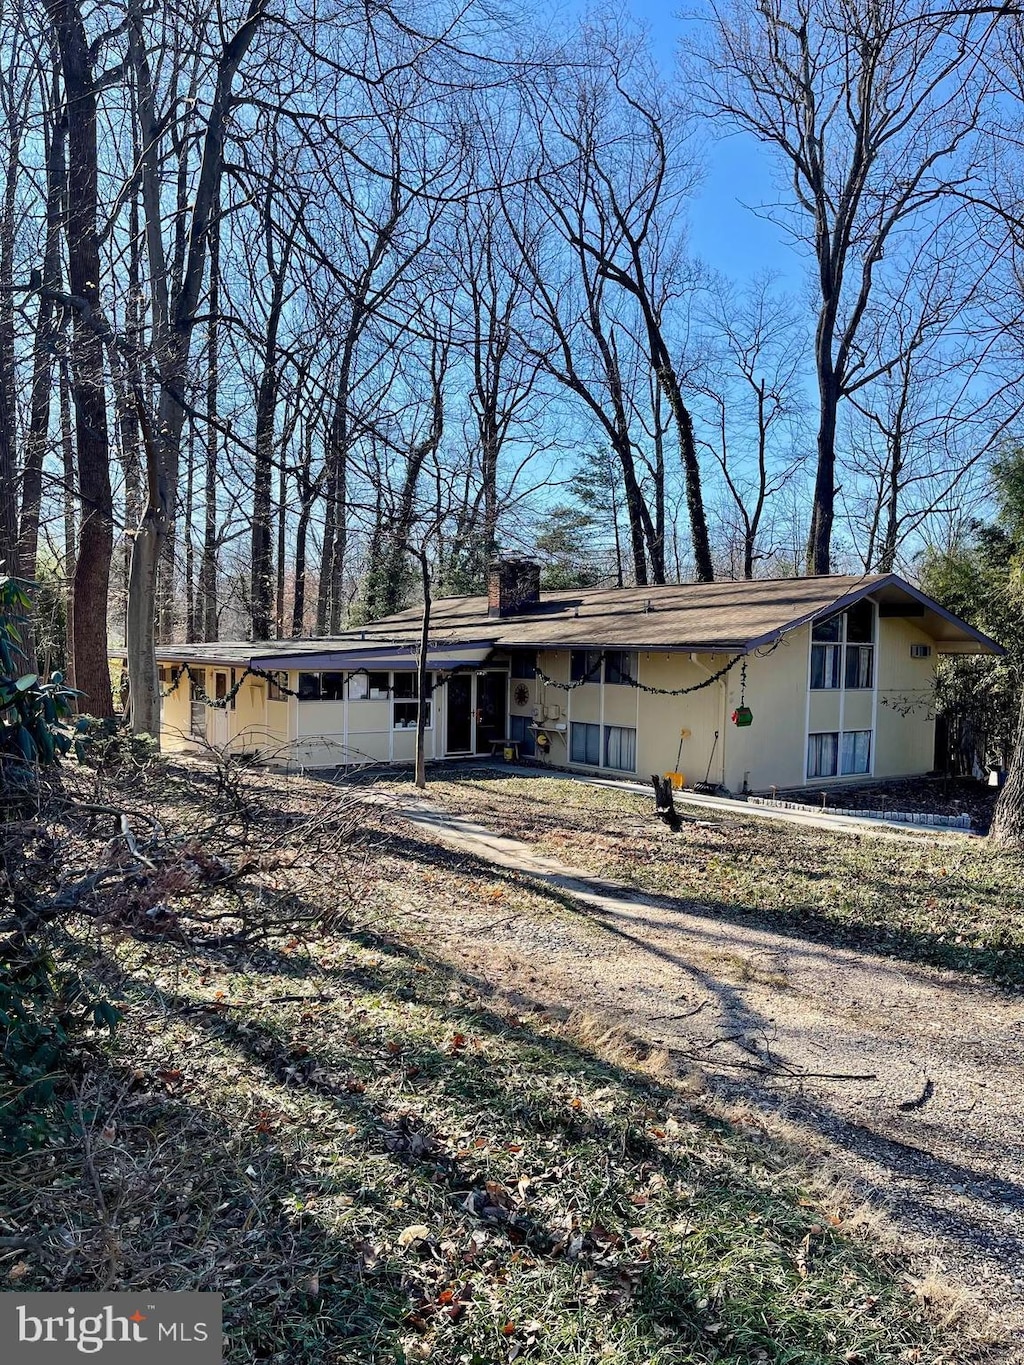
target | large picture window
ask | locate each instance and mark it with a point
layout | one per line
(585, 743)
(843, 650)
(620, 748)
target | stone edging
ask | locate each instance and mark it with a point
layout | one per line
(902, 817)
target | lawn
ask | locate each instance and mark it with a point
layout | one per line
(372, 1156)
(949, 900)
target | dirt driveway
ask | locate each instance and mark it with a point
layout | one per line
(910, 1078)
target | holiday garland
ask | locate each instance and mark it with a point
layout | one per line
(593, 674)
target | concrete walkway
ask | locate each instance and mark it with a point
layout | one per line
(909, 1077)
(732, 806)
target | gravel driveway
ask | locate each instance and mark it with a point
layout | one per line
(911, 1078)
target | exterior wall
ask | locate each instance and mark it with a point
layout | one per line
(905, 716)
(662, 719)
(175, 718)
(247, 723)
(772, 750)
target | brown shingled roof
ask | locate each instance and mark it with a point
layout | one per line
(710, 617)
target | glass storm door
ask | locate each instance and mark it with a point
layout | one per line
(459, 736)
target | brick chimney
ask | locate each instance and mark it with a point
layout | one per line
(513, 586)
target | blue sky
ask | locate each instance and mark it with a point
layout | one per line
(724, 232)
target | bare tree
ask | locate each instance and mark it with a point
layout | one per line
(869, 107)
(751, 385)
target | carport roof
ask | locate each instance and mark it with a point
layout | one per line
(726, 616)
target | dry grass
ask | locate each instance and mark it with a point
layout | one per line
(376, 1159)
(949, 901)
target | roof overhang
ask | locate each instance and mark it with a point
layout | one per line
(382, 659)
(950, 634)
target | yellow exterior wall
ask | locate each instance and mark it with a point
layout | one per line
(905, 716)
(175, 715)
(770, 752)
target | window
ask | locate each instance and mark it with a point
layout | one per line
(220, 688)
(378, 686)
(856, 751)
(405, 707)
(619, 666)
(585, 744)
(843, 650)
(309, 687)
(524, 663)
(585, 665)
(824, 666)
(822, 753)
(860, 624)
(332, 686)
(276, 683)
(859, 665)
(620, 748)
(830, 630)
(358, 686)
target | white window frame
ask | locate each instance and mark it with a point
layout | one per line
(413, 701)
(822, 734)
(605, 739)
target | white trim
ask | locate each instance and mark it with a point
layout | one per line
(805, 760)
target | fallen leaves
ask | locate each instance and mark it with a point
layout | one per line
(415, 1232)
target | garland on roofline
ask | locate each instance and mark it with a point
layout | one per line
(274, 676)
(594, 673)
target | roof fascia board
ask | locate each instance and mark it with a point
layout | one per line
(868, 589)
(931, 605)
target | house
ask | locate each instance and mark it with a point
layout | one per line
(753, 684)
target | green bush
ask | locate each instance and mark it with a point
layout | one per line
(45, 1013)
(34, 713)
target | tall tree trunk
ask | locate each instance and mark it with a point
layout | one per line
(190, 549)
(174, 323)
(1008, 820)
(208, 565)
(819, 540)
(44, 341)
(282, 549)
(95, 541)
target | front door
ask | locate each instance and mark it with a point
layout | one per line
(459, 735)
(491, 710)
